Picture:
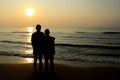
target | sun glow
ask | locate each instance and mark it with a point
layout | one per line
(29, 12)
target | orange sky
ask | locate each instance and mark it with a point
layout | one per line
(60, 13)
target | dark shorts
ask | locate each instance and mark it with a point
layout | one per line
(38, 57)
(37, 54)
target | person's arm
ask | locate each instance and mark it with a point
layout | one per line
(54, 45)
(32, 40)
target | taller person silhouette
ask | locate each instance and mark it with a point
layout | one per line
(37, 40)
(49, 51)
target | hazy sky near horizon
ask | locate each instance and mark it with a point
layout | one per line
(71, 13)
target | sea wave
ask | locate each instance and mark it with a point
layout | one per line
(90, 46)
(101, 32)
(75, 37)
(82, 58)
(9, 53)
(62, 32)
(17, 42)
(69, 45)
(19, 32)
(79, 32)
(111, 32)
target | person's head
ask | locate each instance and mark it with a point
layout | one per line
(38, 27)
(47, 31)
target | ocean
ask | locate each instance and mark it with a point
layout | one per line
(70, 44)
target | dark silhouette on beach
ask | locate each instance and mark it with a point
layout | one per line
(49, 51)
(37, 40)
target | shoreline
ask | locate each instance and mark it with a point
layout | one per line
(77, 64)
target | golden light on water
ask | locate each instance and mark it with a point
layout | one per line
(30, 51)
(30, 29)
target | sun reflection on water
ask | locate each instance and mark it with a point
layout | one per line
(29, 39)
(29, 49)
(30, 29)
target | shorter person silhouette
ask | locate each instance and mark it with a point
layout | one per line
(49, 51)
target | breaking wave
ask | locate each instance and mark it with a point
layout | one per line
(82, 58)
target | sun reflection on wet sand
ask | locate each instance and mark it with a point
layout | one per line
(28, 60)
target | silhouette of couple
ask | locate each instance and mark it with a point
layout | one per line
(43, 45)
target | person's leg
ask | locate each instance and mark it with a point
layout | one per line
(46, 64)
(52, 63)
(40, 63)
(35, 62)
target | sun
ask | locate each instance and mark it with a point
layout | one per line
(29, 12)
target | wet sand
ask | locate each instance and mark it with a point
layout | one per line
(62, 72)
